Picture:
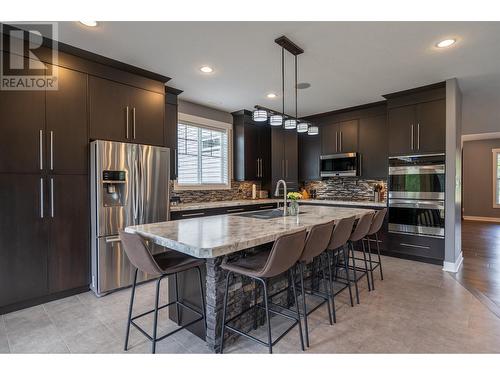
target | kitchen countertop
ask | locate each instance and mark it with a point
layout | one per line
(214, 236)
(245, 202)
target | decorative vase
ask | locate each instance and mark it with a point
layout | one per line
(293, 208)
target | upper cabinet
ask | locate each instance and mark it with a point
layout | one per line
(373, 146)
(417, 121)
(120, 112)
(284, 158)
(171, 120)
(309, 153)
(251, 148)
(339, 137)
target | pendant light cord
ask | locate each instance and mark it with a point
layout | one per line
(296, 87)
(283, 82)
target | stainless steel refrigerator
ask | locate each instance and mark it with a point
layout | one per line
(129, 186)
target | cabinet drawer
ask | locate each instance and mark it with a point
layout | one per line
(179, 215)
(419, 246)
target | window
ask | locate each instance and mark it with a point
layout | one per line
(496, 178)
(203, 155)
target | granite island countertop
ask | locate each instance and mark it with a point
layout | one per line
(214, 236)
(249, 202)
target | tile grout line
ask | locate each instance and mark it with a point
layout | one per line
(57, 330)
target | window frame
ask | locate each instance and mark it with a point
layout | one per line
(496, 177)
(208, 123)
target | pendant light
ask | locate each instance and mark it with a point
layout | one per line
(275, 120)
(302, 127)
(259, 115)
(313, 130)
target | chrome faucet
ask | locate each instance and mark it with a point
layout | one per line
(277, 193)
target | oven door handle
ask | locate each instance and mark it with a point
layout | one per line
(417, 204)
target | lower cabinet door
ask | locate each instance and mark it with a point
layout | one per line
(23, 238)
(68, 214)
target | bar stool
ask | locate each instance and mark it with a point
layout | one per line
(281, 258)
(360, 231)
(338, 250)
(377, 222)
(316, 244)
(159, 265)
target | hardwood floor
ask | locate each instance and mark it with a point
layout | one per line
(481, 266)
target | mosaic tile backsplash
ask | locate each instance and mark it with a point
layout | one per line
(239, 190)
(344, 188)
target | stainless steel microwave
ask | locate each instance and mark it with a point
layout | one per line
(346, 164)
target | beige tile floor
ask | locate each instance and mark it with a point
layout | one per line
(418, 308)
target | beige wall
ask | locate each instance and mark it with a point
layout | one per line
(478, 178)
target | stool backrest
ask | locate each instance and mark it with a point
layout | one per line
(377, 222)
(317, 241)
(341, 232)
(286, 251)
(362, 227)
(138, 253)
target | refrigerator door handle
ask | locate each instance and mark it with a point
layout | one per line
(136, 191)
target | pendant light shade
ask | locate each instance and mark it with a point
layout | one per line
(276, 120)
(290, 123)
(313, 130)
(259, 115)
(302, 127)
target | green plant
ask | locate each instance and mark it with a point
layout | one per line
(294, 196)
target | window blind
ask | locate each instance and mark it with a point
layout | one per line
(202, 155)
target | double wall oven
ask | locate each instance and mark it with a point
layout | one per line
(416, 194)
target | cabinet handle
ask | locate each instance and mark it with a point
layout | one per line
(41, 198)
(175, 162)
(262, 207)
(133, 122)
(52, 197)
(127, 121)
(340, 141)
(40, 141)
(336, 141)
(257, 161)
(261, 169)
(195, 214)
(416, 246)
(113, 239)
(235, 210)
(418, 136)
(411, 136)
(286, 168)
(51, 150)
(282, 167)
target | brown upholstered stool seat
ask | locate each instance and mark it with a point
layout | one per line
(250, 265)
(172, 261)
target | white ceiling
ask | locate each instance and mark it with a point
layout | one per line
(347, 63)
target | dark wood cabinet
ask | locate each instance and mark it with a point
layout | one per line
(284, 156)
(22, 131)
(23, 237)
(251, 149)
(308, 156)
(189, 214)
(329, 134)
(171, 121)
(373, 147)
(339, 137)
(431, 126)
(124, 113)
(401, 130)
(147, 116)
(68, 250)
(66, 131)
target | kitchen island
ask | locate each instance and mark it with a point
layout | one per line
(216, 237)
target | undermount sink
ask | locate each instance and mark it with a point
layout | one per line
(264, 214)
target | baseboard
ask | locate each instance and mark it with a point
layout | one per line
(483, 218)
(416, 258)
(453, 267)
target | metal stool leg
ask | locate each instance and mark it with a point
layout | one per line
(132, 295)
(366, 266)
(332, 290)
(354, 272)
(155, 321)
(203, 309)
(304, 307)
(255, 309)
(177, 300)
(268, 318)
(345, 250)
(379, 260)
(296, 301)
(370, 260)
(224, 313)
(327, 287)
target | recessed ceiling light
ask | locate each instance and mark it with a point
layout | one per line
(271, 95)
(206, 69)
(89, 23)
(446, 43)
